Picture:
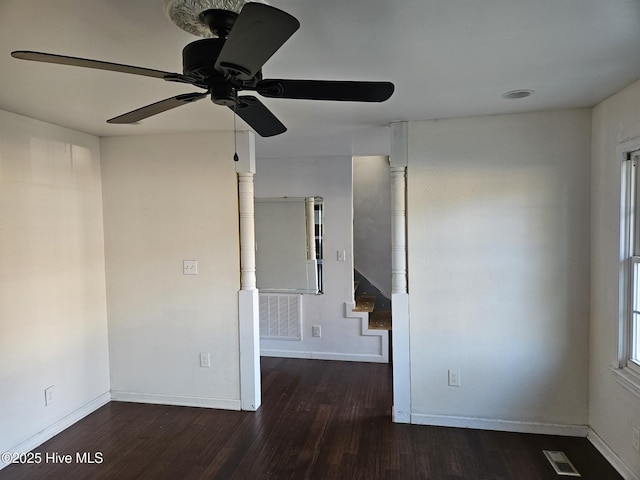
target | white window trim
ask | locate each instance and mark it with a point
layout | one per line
(626, 377)
(626, 372)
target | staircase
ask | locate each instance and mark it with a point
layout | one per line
(369, 299)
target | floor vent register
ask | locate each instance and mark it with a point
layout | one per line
(561, 463)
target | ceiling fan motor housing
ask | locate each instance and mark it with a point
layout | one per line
(198, 62)
(199, 58)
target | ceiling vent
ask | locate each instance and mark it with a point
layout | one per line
(515, 94)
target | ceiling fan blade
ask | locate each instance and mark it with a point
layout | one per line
(97, 64)
(345, 91)
(259, 31)
(158, 107)
(258, 116)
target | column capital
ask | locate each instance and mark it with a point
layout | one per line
(399, 144)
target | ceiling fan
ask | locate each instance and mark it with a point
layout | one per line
(229, 61)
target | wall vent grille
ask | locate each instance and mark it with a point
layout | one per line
(280, 316)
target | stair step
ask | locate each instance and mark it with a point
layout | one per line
(380, 320)
(365, 303)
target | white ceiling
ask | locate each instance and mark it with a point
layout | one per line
(447, 58)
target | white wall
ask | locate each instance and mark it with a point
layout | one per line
(53, 318)
(329, 178)
(169, 198)
(613, 409)
(498, 235)
(372, 220)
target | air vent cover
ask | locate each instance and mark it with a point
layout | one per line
(561, 464)
(280, 316)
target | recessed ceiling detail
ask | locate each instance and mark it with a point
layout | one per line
(515, 94)
(186, 14)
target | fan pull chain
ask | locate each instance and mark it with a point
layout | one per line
(235, 131)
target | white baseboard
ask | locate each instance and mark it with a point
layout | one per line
(611, 456)
(400, 416)
(177, 400)
(500, 425)
(55, 428)
(345, 357)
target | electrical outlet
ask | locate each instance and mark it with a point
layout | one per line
(636, 439)
(315, 331)
(454, 378)
(49, 396)
(205, 360)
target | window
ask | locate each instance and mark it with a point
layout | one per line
(629, 341)
(289, 245)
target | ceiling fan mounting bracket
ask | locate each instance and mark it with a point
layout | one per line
(219, 21)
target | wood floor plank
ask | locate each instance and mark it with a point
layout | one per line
(319, 420)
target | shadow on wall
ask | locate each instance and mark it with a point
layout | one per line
(365, 287)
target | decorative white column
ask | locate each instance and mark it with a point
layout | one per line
(247, 231)
(248, 300)
(398, 161)
(398, 230)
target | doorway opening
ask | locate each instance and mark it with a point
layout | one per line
(372, 239)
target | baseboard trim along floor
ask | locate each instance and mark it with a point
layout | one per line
(500, 425)
(59, 426)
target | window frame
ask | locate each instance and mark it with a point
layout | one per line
(628, 367)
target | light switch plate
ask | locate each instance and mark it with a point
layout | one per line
(49, 395)
(190, 267)
(205, 360)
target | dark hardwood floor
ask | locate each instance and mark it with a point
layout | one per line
(319, 420)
